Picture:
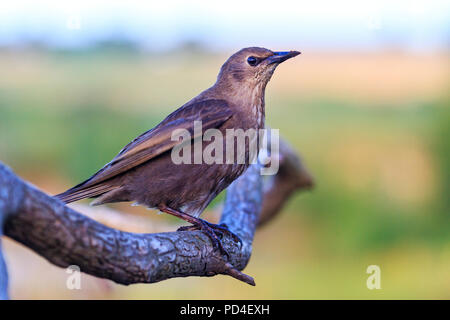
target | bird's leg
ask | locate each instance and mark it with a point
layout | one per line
(208, 228)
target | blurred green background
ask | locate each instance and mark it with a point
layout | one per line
(375, 137)
(366, 105)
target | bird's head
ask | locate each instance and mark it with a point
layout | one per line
(252, 67)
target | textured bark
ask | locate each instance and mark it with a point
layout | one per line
(11, 194)
(65, 237)
(3, 274)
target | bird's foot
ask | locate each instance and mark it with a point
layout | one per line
(223, 228)
(215, 232)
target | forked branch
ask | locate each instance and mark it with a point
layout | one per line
(65, 237)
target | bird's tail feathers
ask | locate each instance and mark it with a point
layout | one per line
(76, 194)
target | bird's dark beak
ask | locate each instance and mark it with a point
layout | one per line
(280, 56)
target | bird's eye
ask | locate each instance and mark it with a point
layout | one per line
(252, 61)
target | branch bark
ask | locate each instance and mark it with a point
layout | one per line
(65, 237)
(3, 273)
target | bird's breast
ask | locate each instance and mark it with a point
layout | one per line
(258, 115)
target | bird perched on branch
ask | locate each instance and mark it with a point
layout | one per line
(144, 171)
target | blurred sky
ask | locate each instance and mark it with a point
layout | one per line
(160, 25)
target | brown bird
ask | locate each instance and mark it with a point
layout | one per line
(144, 172)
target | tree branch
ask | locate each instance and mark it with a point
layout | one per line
(10, 197)
(3, 273)
(292, 176)
(65, 237)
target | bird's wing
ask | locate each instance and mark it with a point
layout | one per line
(213, 113)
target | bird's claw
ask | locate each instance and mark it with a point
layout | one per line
(215, 232)
(188, 228)
(223, 228)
